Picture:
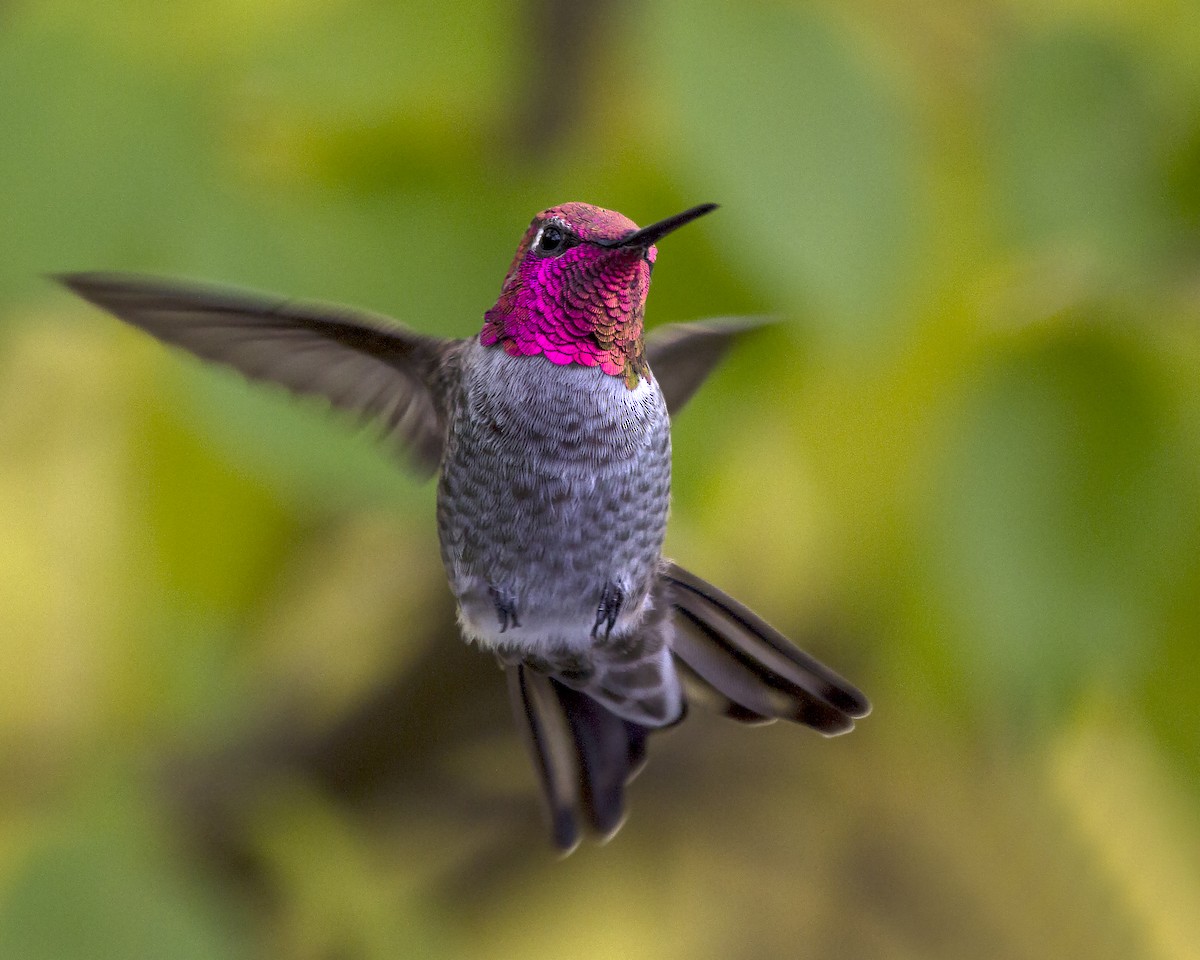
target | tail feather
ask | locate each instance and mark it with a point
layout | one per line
(585, 754)
(701, 691)
(609, 749)
(706, 651)
(752, 664)
(548, 738)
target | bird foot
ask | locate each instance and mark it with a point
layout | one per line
(506, 609)
(611, 599)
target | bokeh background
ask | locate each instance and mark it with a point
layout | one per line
(235, 721)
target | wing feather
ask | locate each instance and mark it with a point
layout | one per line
(682, 355)
(359, 362)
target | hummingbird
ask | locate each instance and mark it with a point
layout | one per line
(550, 435)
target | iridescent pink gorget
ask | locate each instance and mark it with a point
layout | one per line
(584, 305)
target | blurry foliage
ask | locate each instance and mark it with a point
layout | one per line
(235, 719)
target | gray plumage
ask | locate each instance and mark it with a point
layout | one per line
(554, 489)
(552, 506)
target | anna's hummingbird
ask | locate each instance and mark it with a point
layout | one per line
(551, 431)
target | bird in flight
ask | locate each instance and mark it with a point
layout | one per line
(550, 434)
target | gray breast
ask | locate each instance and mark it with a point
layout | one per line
(555, 484)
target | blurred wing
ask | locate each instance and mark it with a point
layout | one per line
(758, 673)
(682, 355)
(358, 362)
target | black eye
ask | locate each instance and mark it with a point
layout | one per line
(552, 241)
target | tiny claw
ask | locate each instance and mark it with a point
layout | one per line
(506, 609)
(611, 599)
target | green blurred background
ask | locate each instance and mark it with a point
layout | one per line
(234, 718)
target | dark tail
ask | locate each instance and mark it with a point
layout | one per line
(584, 754)
(754, 672)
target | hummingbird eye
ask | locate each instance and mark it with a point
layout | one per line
(552, 240)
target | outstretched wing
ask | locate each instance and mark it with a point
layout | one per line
(682, 355)
(359, 362)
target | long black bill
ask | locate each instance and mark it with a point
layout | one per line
(648, 236)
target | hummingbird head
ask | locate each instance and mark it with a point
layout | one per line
(576, 289)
